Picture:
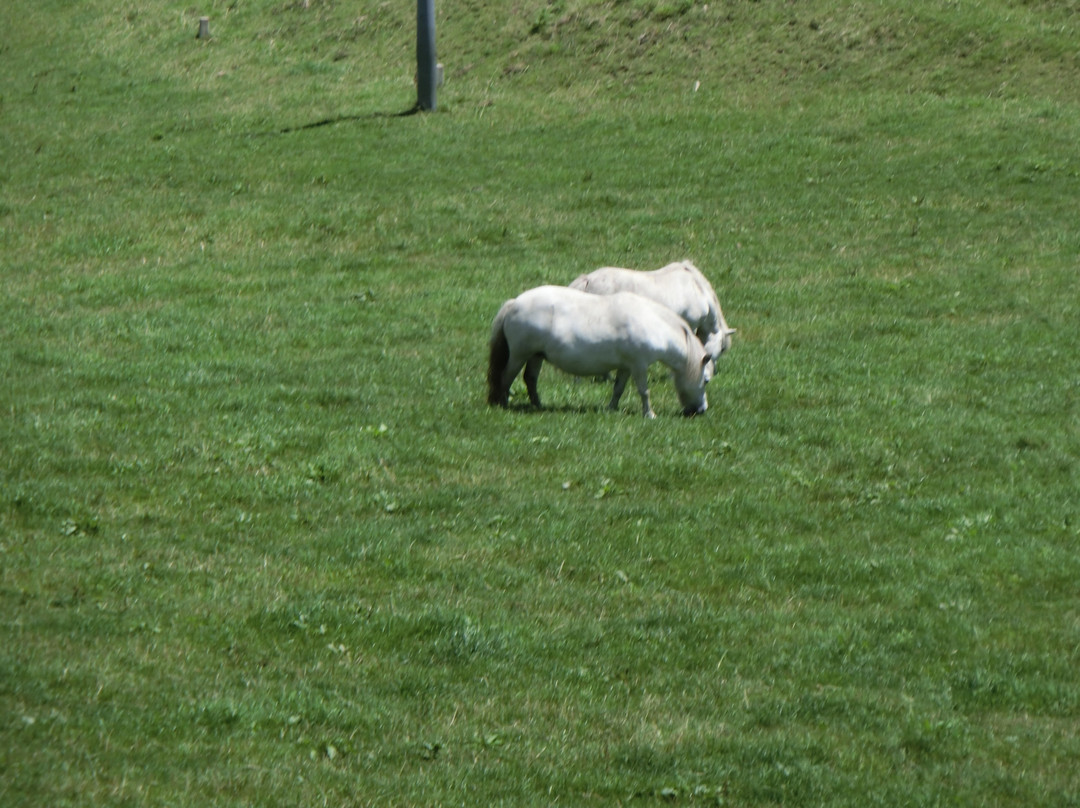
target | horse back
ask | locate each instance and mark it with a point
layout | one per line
(587, 333)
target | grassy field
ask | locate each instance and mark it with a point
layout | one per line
(262, 542)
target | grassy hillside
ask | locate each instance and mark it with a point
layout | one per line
(261, 540)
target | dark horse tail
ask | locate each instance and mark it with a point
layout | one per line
(500, 356)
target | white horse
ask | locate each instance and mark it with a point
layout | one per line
(590, 335)
(680, 286)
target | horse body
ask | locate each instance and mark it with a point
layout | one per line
(590, 335)
(680, 286)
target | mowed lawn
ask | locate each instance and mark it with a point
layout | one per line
(263, 542)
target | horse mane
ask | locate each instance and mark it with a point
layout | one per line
(706, 289)
(703, 284)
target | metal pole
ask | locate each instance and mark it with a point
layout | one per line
(426, 78)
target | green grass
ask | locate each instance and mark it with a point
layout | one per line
(262, 541)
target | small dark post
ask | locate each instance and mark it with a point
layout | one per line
(426, 70)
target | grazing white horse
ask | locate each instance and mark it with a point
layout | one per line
(680, 286)
(590, 335)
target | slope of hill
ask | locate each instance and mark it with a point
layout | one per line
(270, 58)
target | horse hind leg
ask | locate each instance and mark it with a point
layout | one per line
(512, 369)
(532, 373)
(620, 384)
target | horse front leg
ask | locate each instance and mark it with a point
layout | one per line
(620, 384)
(641, 379)
(532, 373)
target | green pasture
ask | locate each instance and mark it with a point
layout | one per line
(262, 541)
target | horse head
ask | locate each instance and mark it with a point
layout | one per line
(690, 383)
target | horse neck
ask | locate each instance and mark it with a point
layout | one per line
(679, 354)
(710, 296)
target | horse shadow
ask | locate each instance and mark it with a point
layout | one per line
(525, 408)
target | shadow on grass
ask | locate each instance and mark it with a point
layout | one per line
(347, 119)
(525, 408)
